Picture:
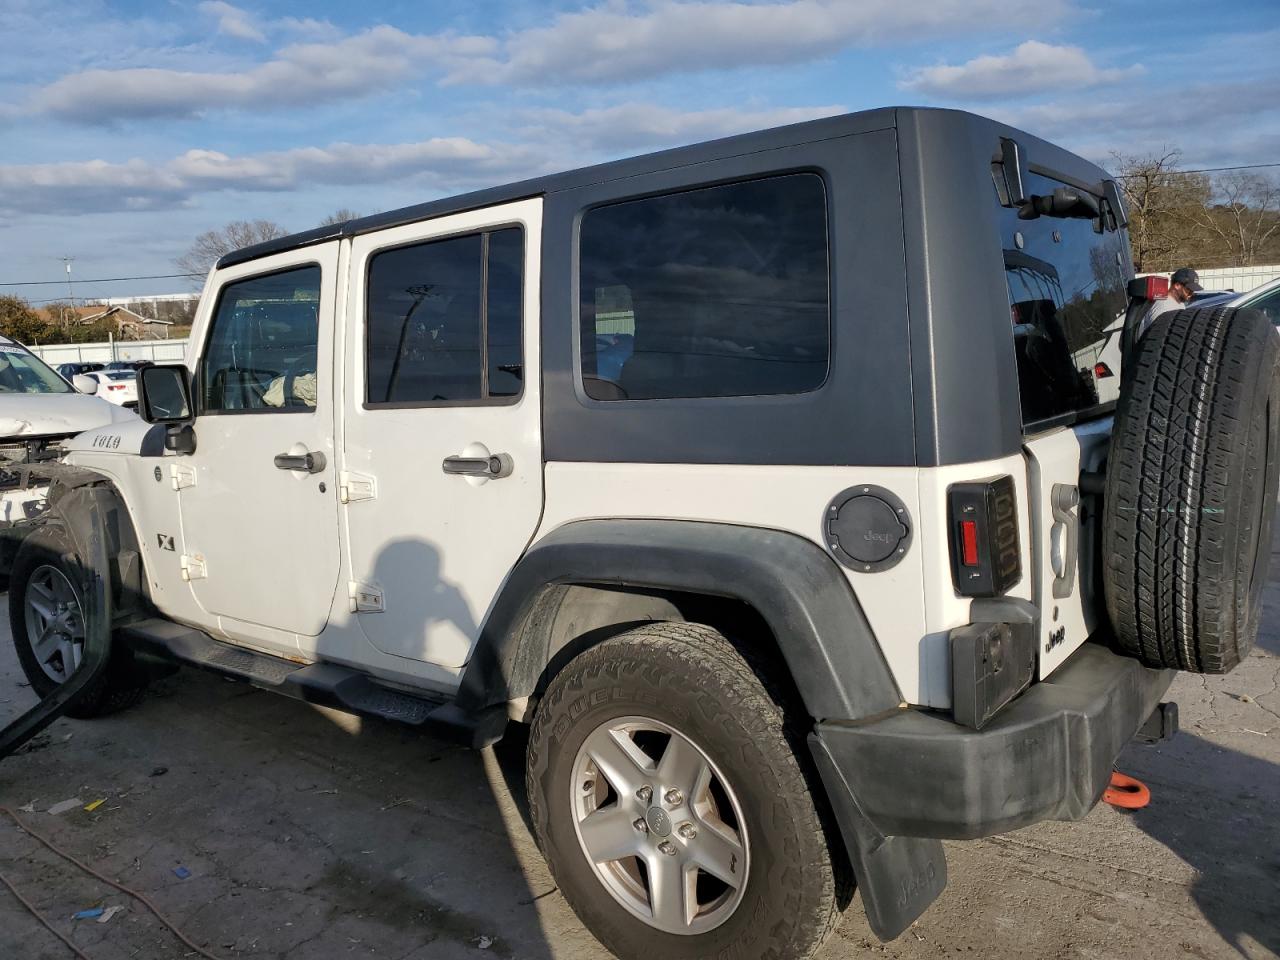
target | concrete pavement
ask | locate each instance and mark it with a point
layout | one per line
(312, 834)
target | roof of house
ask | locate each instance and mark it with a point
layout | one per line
(137, 317)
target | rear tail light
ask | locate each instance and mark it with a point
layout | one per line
(1149, 288)
(1101, 370)
(115, 386)
(969, 543)
(986, 559)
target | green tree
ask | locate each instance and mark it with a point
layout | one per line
(19, 322)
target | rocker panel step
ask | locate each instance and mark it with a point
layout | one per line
(326, 684)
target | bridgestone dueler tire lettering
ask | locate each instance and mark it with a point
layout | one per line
(691, 678)
(1191, 489)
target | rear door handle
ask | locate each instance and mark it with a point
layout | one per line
(493, 467)
(303, 462)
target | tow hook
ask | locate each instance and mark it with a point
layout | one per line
(1161, 725)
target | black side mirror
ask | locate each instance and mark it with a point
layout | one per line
(164, 394)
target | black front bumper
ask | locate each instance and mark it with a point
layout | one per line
(1046, 756)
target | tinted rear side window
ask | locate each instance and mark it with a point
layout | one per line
(716, 292)
(443, 321)
(1066, 289)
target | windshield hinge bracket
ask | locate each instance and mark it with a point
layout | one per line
(182, 475)
(193, 567)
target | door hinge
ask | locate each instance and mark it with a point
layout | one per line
(365, 597)
(356, 486)
(193, 567)
(182, 475)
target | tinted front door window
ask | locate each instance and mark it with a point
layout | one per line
(261, 353)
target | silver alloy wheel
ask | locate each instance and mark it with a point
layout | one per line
(55, 622)
(660, 825)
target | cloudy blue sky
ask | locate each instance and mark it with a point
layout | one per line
(127, 128)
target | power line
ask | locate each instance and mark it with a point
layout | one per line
(1175, 173)
(42, 283)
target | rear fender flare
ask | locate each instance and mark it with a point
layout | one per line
(821, 631)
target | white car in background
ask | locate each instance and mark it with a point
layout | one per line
(38, 411)
(1265, 298)
(116, 386)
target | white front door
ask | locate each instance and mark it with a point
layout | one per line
(260, 532)
(441, 450)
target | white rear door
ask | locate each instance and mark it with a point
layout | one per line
(442, 451)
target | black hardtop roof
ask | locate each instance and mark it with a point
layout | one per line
(774, 138)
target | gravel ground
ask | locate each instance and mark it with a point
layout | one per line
(311, 834)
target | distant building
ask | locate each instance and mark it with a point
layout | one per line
(177, 308)
(130, 325)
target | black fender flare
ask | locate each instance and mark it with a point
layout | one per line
(821, 630)
(130, 591)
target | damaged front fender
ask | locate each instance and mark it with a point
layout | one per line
(86, 509)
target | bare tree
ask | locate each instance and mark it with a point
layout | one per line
(212, 244)
(1243, 217)
(341, 215)
(1165, 207)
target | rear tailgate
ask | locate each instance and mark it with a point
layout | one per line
(1066, 278)
(1063, 538)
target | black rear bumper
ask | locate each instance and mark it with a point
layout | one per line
(1046, 756)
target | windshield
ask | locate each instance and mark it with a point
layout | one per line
(1066, 287)
(23, 372)
(122, 375)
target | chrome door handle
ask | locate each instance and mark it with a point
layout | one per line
(494, 467)
(304, 462)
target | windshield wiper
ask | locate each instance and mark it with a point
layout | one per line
(1064, 202)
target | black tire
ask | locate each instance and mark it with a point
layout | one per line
(122, 684)
(1191, 489)
(691, 678)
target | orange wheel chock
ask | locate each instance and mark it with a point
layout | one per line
(1126, 792)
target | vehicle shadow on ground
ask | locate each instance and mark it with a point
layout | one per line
(1212, 820)
(309, 834)
(1269, 631)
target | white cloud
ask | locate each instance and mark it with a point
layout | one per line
(620, 42)
(554, 140)
(637, 126)
(1033, 67)
(614, 43)
(1231, 121)
(444, 163)
(302, 73)
(232, 21)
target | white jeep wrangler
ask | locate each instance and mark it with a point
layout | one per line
(768, 479)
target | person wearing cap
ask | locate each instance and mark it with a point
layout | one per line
(1183, 285)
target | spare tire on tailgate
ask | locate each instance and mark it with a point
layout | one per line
(1191, 489)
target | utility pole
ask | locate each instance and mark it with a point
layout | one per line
(71, 293)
